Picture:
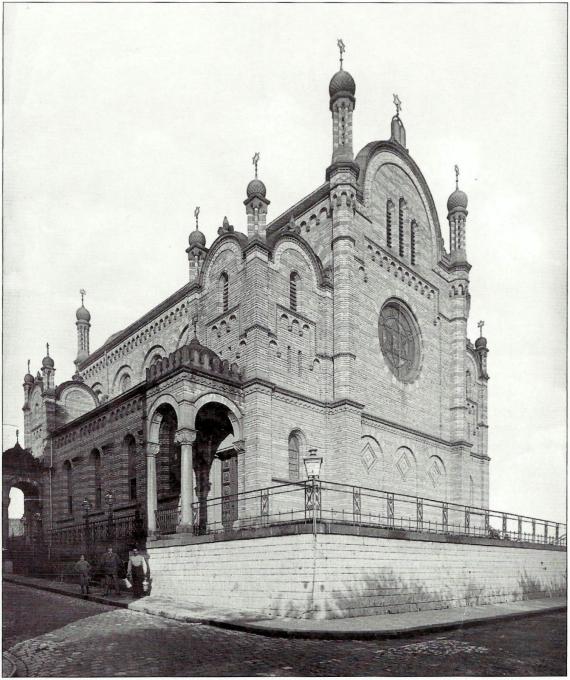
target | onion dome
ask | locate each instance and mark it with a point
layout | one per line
(256, 188)
(196, 238)
(28, 379)
(458, 199)
(481, 343)
(342, 83)
(82, 314)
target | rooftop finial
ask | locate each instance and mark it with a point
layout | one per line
(255, 161)
(196, 213)
(28, 365)
(397, 104)
(481, 323)
(83, 293)
(17, 436)
(47, 349)
(456, 177)
(341, 49)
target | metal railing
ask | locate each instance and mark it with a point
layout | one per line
(322, 501)
(114, 527)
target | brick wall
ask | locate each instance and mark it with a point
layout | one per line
(342, 576)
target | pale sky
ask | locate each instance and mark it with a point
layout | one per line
(120, 119)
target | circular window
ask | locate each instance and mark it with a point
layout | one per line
(400, 340)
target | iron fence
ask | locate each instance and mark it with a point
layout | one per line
(323, 501)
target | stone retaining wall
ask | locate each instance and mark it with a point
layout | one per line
(339, 575)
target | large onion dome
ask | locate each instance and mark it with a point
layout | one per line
(458, 199)
(256, 188)
(196, 238)
(82, 314)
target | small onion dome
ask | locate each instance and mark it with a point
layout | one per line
(256, 188)
(82, 314)
(342, 82)
(196, 238)
(481, 343)
(47, 362)
(28, 379)
(458, 199)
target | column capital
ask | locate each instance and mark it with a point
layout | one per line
(185, 435)
(152, 449)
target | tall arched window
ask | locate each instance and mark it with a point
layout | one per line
(293, 290)
(413, 230)
(468, 384)
(69, 485)
(401, 219)
(169, 464)
(294, 455)
(225, 291)
(130, 449)
(389, 214)
(97, 477)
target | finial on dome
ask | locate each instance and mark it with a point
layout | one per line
(28, 365)
(83, 293)
(458, 198)
(341, 49)
(255, 161)
(481, 323)
(196, 213)
(397, 104)
(456, 177)
(256, 187)
(47, 349)
(47, 361)
(17, 436)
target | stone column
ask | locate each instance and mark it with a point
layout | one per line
(151, 497)
(186, 437)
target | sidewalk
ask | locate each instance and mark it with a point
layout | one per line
(361, 627)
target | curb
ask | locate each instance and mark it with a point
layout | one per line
(377, 634)
(276, 631)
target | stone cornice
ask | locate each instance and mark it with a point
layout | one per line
(300, 207)
(119, 337)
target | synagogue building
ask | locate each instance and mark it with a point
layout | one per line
(339, 325)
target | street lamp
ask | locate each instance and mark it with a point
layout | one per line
(313, 469)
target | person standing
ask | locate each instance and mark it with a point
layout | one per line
(136, 572)
(83, 568)
(111, 563)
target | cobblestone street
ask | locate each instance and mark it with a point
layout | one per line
(55, 635)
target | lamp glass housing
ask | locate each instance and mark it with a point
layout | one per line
(313, 464)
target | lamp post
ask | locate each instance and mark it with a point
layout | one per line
(86, 505)
(313, 469)
(109, 498)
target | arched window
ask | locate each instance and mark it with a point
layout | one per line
(169, 464)
(130, 448)
(294, 455)
(69, 485)
(225, 291)
(97, 477)
(389, 214)
(468, 384)
(125, 383)
(401, 218)
(293, 290)
(413, 229)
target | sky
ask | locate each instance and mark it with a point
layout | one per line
(120, 119)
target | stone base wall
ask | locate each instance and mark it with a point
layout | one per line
(335, 576)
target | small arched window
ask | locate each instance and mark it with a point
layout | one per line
(225, 291)
(389, 214)
(97, 478)
(294, 456)
(293, 290)
(125, 383)
(69, 485)
(468, 384)
(401, 219)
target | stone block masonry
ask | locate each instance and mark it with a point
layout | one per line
(338, 575)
